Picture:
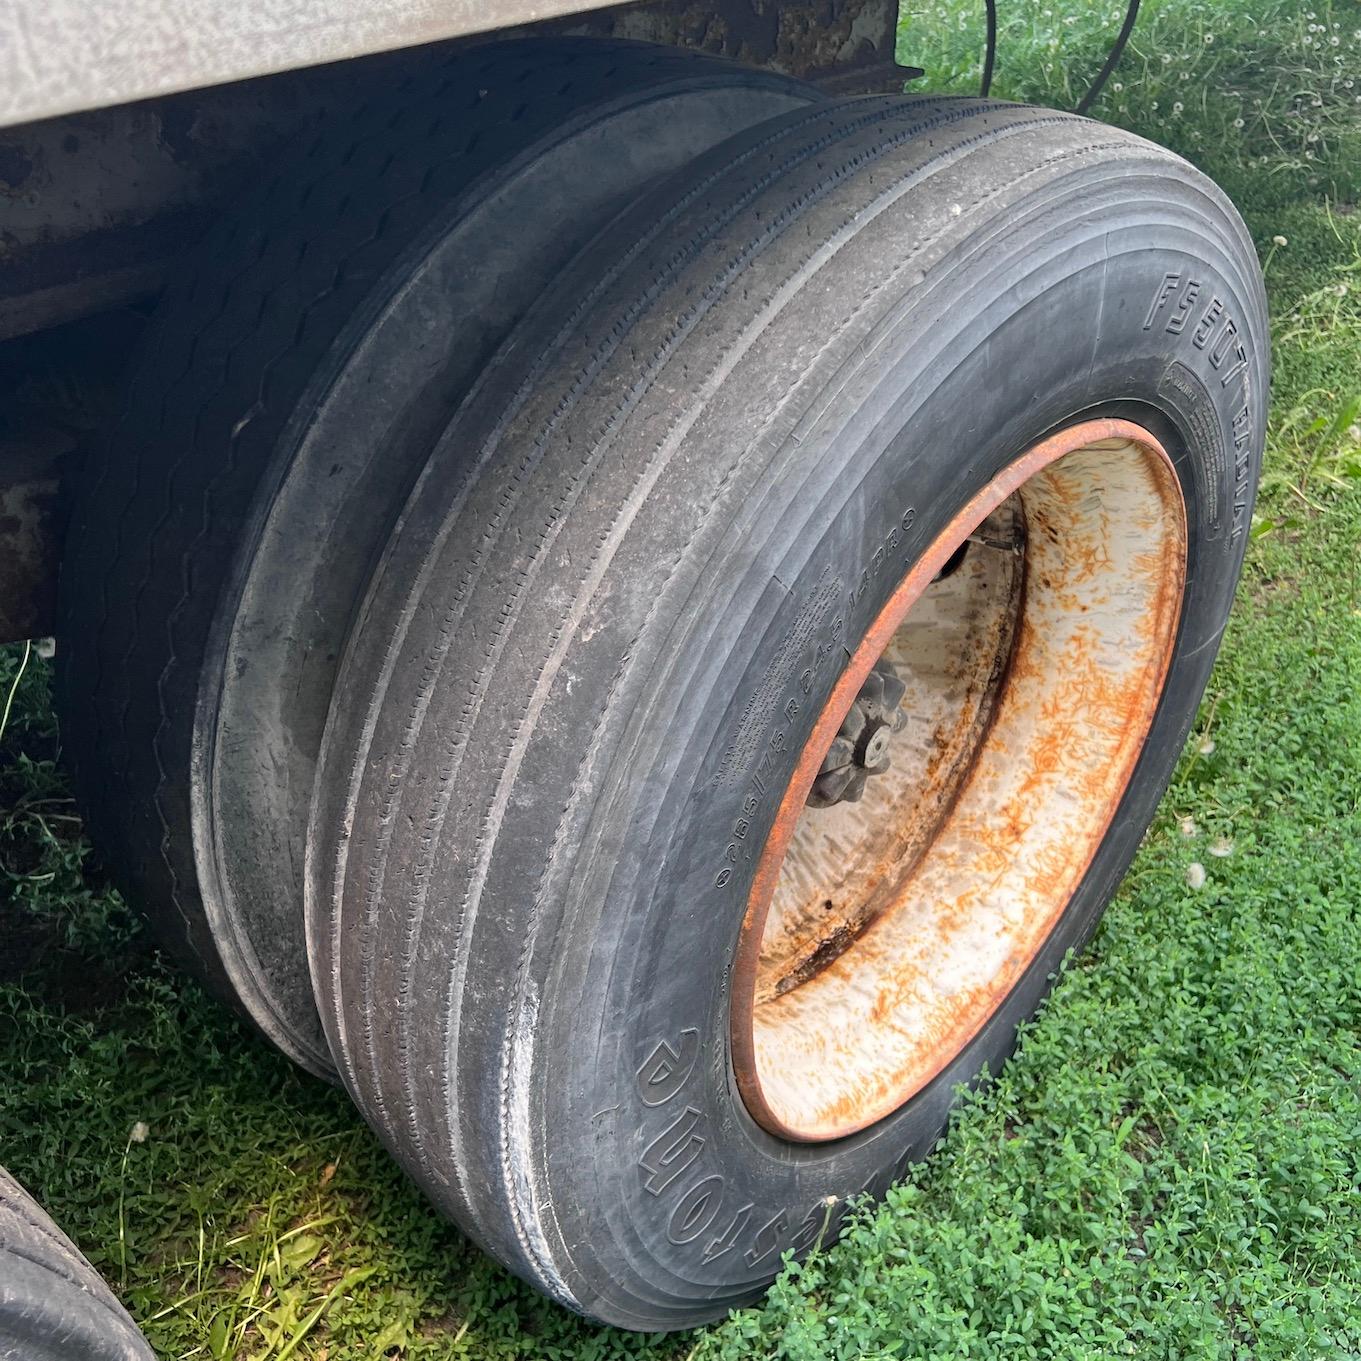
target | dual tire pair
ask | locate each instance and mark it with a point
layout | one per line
(477, 591)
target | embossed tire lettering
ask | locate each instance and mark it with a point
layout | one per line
(864, 356)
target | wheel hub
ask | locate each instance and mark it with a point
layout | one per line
(861, 746)
(890, 918)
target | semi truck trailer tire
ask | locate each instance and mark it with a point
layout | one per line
(285, 400)
(771, 676)
(53, 1306)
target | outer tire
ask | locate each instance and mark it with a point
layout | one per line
(287, 396)
(53, 1307)
(660, 509)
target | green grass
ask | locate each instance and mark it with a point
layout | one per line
(1170, 1165)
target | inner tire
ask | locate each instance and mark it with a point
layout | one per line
(287, 397)
(637, 567)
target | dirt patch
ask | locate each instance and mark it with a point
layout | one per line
(35, 956)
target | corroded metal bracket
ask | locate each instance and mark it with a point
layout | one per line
(844, 44)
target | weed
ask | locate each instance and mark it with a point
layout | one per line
(1271, 87)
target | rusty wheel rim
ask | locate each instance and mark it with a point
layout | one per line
(1031, 642)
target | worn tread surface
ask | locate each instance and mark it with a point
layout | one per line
(232, 358)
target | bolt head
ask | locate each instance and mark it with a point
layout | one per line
(876, 749)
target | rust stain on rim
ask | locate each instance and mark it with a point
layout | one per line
(942, 886)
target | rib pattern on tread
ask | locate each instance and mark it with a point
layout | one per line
(373, 1004)
(233, 345)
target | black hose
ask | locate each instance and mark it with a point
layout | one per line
(990, 57)
(1112, 60)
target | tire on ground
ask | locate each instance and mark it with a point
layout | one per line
(289, 391)
(53, 1306)
(636, 562)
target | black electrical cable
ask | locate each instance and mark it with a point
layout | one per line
(1102, 76)
(990, 58)
(1112, 60)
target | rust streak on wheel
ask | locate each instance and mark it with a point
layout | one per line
(881, 935)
